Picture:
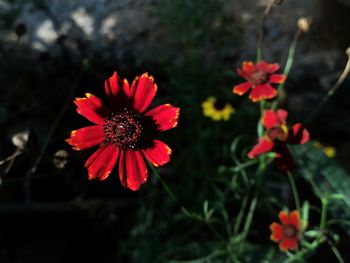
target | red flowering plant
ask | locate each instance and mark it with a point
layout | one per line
(259, 78)
(125, 130)
(287, 234)
(277, 136)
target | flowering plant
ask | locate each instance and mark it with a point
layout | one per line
(247, 172)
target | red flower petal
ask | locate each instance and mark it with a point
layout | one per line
(93, 157)
(132, 169)
(114, 91)
(248, 68)
(86, 137)
(143, 90)
(241, 88)
(158, 154)
(265, 67)
(272, 119)
(262, 147)
(288, 244)
(269, 120)
(101, 163)
(298, 134)
(294, 219)
(277, 232)
(277, 78)
(92, 108)
(281, 116)
(284, 217)
(112, 85)
(127, 91)
(260, 92)
(165, 116)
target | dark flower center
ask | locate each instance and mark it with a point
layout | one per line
(289, 231)
(277, 133)
(258, 77)
(124, 129)
(219, 104)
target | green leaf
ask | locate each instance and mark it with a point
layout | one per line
(312, 233)
(327, 178)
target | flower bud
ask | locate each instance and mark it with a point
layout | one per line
(304, 24)
(61, 159)
(20, 139)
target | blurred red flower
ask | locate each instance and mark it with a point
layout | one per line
(287, 233)
(124, 130)
(259, 78)
(277, 136)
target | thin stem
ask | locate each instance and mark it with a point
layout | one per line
(331, 92)
(241, 213)
(11, 157)
(244, 204)
(287, 68)
(244, 165)
(260, 128)
(324, 202)
(168, 190)
(338, 221)
(43, 149)
(294, 191)
(337, 254)
(184, 210)
(259, 51)
(253, 204)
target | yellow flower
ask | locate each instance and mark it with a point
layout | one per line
(329, 151)
(216, 109)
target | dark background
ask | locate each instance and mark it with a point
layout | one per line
(53, 51)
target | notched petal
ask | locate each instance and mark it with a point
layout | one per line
(92, 108)
(86, 137)
(165, 116)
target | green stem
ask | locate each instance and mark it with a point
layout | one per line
(253, 204)
(337, 254)
(53, 128)
(260, 128)
(331, 92)
(287, 68)
(241, 213)
(184, 210)
(338, 221)
(323, 222)
(244, 165)
(294, 191)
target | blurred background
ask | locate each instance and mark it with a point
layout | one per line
(54, 50)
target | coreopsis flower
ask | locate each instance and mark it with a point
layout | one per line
(124, 129)
(259, 78)
(216, 109)
(277, 136)
(287, 233)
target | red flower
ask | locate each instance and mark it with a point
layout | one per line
(259, 77)
(124, 130)
(277, 136)
(286, 234)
